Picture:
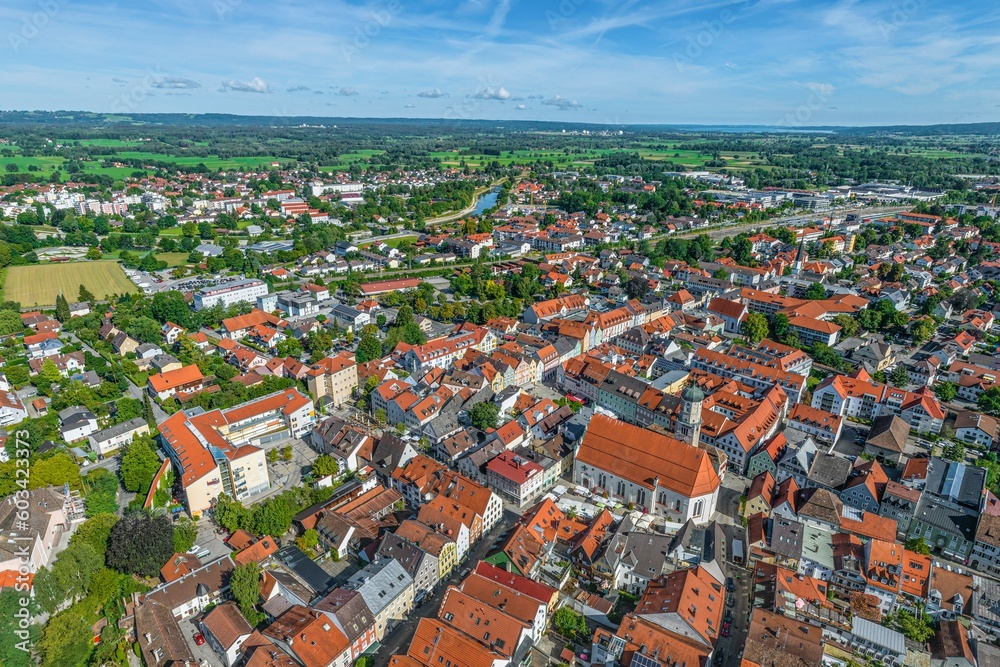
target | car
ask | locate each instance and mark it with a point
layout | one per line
(730, 584)
(720, 657)
(199, 638)
(726, 627)
(730, 600)
(729, 616)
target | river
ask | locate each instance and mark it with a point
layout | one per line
(486, 201)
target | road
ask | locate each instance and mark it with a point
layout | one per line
(398, 639)
(736, 227)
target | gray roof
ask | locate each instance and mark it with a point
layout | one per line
(888, 432)
(829, 471)
(786, 537)
(879, 635)
(119, 429)
(305, 568)
(958, 482)
(380, 583)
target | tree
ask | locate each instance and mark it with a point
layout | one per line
(50, 371)
(568, 622)
(325, 465)
(11, 607)
(62, 308)
(637, 288)
(139, 465)
(140, 543)
(66, 638)
(55, 471)
(308, 541)
(127, 408)
(86, 295)
(989, 401)
(484, 415)
(10, 322)
(380, 320)
(899, 376)
(946, 391)
(244, 584)
(922, 330)
(95, 531)
(404, 316)
(848, 325)
(955, 451)
(916, 627)
(779, 324)
(102, 497)
(185, 535)
(816, 291)
(369, 348)
(755, 328)
(918, 545)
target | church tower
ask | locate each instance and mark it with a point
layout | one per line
(800, 259)
(689, 421)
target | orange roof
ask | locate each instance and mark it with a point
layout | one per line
(176, 378)
(643, 635)
(436, 643)
(693, 596)
(916, 574)
(643, 457)
(318, 642)
(519, 605)
(256, 552)
(481, 621)
(9, 579)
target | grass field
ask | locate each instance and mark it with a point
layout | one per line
(173, 259)
(39, 285)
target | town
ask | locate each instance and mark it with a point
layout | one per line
(496, 414)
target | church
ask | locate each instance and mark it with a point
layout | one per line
(666, 477)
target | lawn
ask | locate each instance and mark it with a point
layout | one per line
(38, 285)
(173, 259)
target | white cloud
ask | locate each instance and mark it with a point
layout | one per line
(520, 107)
(347, 92)
(175, 82)
(822, 89)
(491, 93)
(435, 93)
(254, 85)
(298, 89)
(561, 102)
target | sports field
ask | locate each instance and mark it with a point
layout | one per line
(38, 285)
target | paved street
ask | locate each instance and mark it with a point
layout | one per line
(398, 639)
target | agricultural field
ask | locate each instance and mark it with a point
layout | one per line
(38, 285)
(344, 160)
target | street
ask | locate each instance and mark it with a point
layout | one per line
(398, 639)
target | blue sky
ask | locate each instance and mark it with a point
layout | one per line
(787, 62)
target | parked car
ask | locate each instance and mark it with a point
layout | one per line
(730, 584)
(720, 657)
(199, 638)
(726, 627)
(729, 616)
(730, 600)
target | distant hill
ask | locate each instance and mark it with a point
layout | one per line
(92, 119)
